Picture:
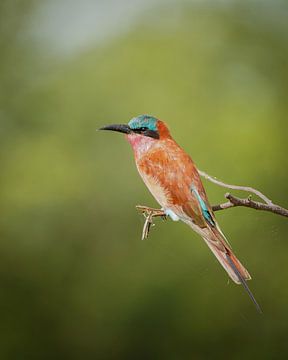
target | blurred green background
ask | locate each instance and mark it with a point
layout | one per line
(76, 281)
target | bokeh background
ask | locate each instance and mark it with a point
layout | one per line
(76, 281)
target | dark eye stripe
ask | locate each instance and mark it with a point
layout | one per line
(147, 132)
(152, 134)
(140, 129)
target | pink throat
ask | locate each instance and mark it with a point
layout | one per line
(140, 143)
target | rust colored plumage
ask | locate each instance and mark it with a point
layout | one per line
(173, 179)
(169, 174)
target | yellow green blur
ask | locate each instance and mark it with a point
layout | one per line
(76, 281)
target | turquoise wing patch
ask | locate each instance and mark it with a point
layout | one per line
(206, 213)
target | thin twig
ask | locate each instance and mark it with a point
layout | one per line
(155, 212)
(235, 187)
(149, 214)
(235, 201)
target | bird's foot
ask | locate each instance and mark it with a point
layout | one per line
(149, 213)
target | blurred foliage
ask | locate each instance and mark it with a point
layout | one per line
(76, 282)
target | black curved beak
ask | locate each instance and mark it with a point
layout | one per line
(123, 128)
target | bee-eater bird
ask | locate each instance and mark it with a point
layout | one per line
(174, 181)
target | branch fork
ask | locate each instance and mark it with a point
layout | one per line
(149, 214)
(233, 201)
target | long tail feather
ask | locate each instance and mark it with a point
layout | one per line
(234, 268)
(220, 247)
(244, 283)
(221, 257)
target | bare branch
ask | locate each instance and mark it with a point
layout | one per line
(149, 214)
(233, 201)
(235, 187)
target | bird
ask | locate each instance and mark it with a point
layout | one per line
(174, 181)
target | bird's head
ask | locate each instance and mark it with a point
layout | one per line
(143, 128)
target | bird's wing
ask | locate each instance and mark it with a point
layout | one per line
(173, 179)
(173, 171)
(213, 236)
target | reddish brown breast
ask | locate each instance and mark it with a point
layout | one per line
(168, 168)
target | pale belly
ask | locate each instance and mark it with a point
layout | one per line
(161, 194)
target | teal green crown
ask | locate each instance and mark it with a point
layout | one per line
(140, 121)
